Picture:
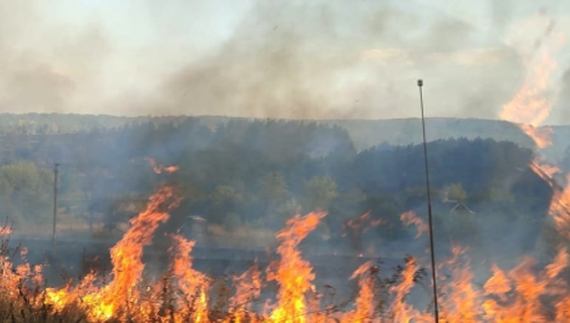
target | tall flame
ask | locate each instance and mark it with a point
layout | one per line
(293, 274)
(192, 284)
(531, 105)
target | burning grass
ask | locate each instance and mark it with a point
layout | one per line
(526, 293)
(183, 294)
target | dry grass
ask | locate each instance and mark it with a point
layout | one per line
(27, 302)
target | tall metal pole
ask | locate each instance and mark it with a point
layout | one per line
(55, 184)
(430, 218)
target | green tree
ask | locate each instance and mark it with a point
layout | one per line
(273, 197)
(224, 200)
(272, 187)
(26, 191)
(455, 192)
(319, 192)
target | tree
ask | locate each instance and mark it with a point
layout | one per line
(456, 193)
(26, 191)
(272, 187)
(319, 192)
(273, 197)
(224, 200)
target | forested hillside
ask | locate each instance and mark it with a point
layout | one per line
(364, 133)
(253, 175)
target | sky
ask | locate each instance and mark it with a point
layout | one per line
(357, 59)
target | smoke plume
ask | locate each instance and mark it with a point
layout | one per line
(284, 59)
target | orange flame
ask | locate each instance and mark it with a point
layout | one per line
(192, 284)
(365, 306)
(248, 288)
(5, 231)
(121, 294)
(410, 218)
(159, 169)
(531, 106)
(293, 274)
(522, 294)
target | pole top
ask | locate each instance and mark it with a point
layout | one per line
(420, 82)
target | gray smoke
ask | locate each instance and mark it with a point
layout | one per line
(292, 59)
(47, 67)
(340, 59)
(565, 96)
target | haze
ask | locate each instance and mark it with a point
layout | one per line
(277, 59)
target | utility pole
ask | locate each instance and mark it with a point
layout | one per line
(430, 218)
(55, 184)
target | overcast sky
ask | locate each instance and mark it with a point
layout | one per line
(290, 59)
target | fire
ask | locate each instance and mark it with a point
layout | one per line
(159, 169)
(531, 105)
(365, 306)
(5, 231)
(192, 284)
(184, 293)
(248, 288)
(356, 224)
(464, 303)
(293, 274)
(410, 218)
(356, 227)
(126, 257)
(525, 293)
(121, 295)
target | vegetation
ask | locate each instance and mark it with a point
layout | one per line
(250, 176)
(247, 178)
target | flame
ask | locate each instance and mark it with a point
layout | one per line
(192, 284)
(5, 231)
(525, 293)
(248, 288)
(357, 223)
(159, 169)
(531, 105)
(121, 294)
(410, 218)
(365, 305)
(464, 303)
(402, 311)
(126, 256)
(183, 296)
(520, 291)
(355, 228)
(293, 274)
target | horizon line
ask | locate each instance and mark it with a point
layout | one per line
(150, 116)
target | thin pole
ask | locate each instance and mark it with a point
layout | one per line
(55, 182)
(430, 220)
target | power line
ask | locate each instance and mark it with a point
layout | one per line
(431, 243)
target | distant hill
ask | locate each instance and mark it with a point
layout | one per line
(364, 133)
(367, 133)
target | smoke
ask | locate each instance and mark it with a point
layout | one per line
(565, 95)
(47, 67)
(289, 59)
(338, 60)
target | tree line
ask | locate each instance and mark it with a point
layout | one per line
(251, 173)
